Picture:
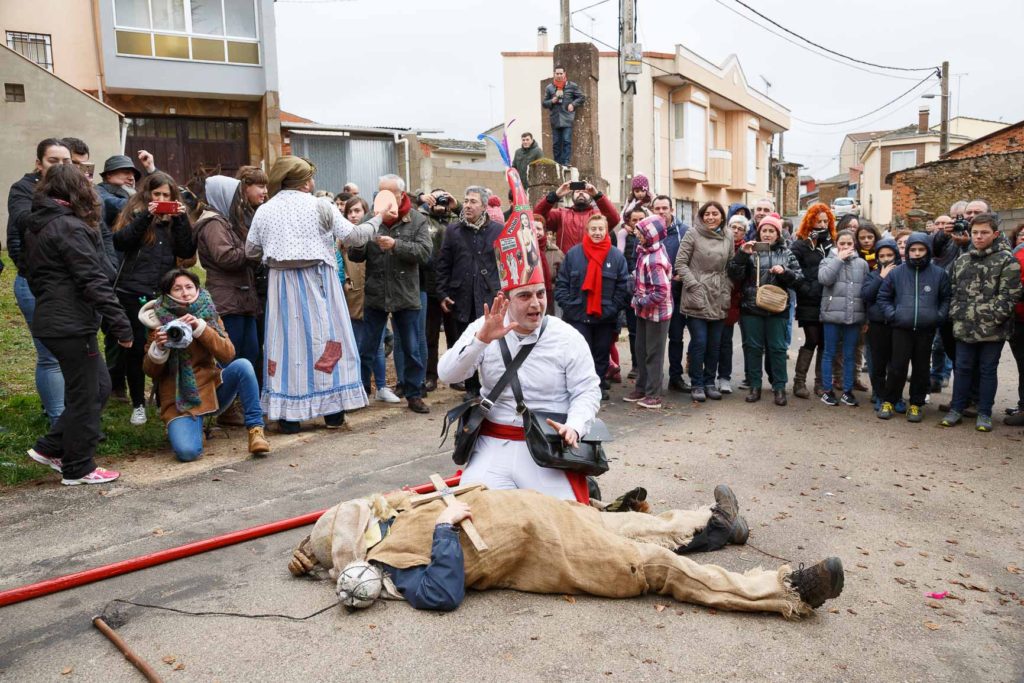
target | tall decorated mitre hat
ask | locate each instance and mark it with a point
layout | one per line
(516, 251)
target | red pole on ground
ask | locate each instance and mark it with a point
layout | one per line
(60, 583)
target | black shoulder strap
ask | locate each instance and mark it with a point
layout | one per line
(512, 368)
(517, 390)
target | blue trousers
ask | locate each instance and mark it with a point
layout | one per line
(561, 143)
(976, 364)
(403, 324)
(725, 352)
(379, 367)
(421, 346)
(49, 380)
(241, 331)
(834, 334)
(705, 345)
(237, 379)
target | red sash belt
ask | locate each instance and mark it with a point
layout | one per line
(500, 431)
(577, 481)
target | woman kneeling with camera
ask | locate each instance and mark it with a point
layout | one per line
(186, 344)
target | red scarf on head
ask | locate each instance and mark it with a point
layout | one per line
(596, 255)
(404, 206)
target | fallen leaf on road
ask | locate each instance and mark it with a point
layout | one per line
(169, 659)
(534, 637)
(569, 599)
(66, 671)
(952, 541)
(833, 610)
(902, 544)
(932, 626)
(179, 667)
(899, 563)
(1013, 569)
(851, 611)
(659, 608)
(158, 532)
(293, 464)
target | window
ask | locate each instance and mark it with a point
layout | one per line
(14, 92)
(193, 30)
(678, 117)
(35, 46)
(901, 159)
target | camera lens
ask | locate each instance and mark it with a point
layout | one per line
(175, 333)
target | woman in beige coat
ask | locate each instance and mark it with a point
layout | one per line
(704, 253)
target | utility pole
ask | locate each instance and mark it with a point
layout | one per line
(565, 21)
(944, 126)
(629, 68)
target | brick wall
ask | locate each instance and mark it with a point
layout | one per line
(886, 159)
(1009, 139)
(827, 192)
(934, 187)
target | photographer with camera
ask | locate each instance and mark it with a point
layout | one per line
(570, 224)
(192, 362)
(152, 232)
(440, 209)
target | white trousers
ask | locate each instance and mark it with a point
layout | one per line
(502, 464)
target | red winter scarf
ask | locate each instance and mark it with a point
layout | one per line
(404, 206)
(596, 255)
(560, 82)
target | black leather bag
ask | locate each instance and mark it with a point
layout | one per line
(546, 446)
(470, 414)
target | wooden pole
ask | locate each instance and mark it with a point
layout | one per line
(466, 524)
(627, 13)
(139, 663)
(565, 20)
(944, 126)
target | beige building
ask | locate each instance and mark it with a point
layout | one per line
(38, 105)
(701, 132)
(906, 147)
(197, 81)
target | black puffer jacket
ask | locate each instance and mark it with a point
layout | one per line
(69, 275)
(808, 290)
(741, 269)
(19, 207)
(144, 264)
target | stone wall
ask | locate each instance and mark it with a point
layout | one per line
(934, 187)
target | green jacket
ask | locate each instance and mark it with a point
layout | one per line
(393, 276)
(986, 286)
(523, 158)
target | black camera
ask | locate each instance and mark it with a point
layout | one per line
(174, 333)
(961, 226)
(442, 200)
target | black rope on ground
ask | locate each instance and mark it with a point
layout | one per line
(227, 614)
(765, 552)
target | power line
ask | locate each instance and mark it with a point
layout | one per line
(873, 111)
(838, 54)
(807, 49)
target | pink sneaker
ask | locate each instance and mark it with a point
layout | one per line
(53, 463)
(634, 396)
(649, 402)
(97, 476)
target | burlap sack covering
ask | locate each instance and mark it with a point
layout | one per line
(537, 544)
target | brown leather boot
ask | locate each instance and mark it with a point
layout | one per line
(258, 444)
(803, 365)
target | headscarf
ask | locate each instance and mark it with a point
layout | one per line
(290, 170)
(220, 191)
(186, 390)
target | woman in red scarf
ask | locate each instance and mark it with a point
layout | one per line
(592, 287)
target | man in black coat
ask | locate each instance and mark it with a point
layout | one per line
(562, 98)
(467, 272)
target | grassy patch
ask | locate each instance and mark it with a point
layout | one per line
(21, 412)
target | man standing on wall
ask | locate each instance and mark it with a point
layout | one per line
(562, 98)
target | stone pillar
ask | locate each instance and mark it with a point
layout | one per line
(580, 61)
(544, 176)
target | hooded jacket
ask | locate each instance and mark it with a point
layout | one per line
(614, 286)
(842, 279)
(873, 283)
(916, 295)
(652, 299)
(69, 275)
(703, 257)
(741, 208)
(742, 270)
(986, 287)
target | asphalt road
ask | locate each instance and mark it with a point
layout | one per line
(911, 509)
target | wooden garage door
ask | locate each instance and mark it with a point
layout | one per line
(190, 148)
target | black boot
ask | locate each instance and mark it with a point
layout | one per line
(780, 397)
(819, 582)
(754, 396)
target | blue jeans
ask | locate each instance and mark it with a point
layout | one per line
(49, 380)
(403, 324)
(976, 364)
(561, 143)
(725, 353)
(705, 345)
(241, 331)
(422, 342)
(834, 334)
(237, 379)
(792, 317)
(942, 366)
(379, 368)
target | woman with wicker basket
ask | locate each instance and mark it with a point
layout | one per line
(766, 269)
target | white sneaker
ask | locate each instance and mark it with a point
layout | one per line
(387, 396)
(97, 476)
(53, 463)
(139, 416)
(725, 386)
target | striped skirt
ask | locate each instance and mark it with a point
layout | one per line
(311, 361)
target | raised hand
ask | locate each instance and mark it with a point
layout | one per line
(494, 326)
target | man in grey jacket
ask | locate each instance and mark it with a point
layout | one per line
(562, 98)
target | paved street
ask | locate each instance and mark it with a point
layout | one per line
(910, 510)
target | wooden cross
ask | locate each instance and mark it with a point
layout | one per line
(442, 491)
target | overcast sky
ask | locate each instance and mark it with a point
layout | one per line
(438, 65)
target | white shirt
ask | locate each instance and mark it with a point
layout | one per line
(558, 376)
(296, 226)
